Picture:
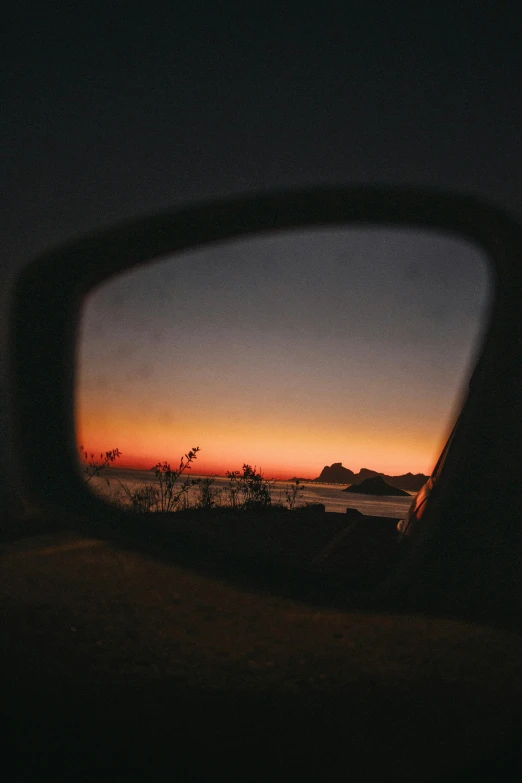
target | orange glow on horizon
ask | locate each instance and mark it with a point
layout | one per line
(279, 453)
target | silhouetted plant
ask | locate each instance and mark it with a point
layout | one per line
(233, 491)
(249, 489)
(172, 495)
(168, 495)
(208, 496)
(93, 466)
(143, 500)
(293, 494)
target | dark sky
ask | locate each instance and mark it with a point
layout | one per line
(106, 116)
(114, 114)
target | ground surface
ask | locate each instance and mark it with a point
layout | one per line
(116, 664)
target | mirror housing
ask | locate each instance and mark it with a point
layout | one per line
(44, 319)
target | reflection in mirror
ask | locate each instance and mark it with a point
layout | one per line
(302, 382)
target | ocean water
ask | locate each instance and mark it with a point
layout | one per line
(329, 494)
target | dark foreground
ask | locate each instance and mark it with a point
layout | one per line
(118, 665)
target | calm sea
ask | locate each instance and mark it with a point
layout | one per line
(329, 494)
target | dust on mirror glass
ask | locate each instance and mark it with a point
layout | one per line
(292, 390)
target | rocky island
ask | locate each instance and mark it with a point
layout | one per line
(338, 474)
(376, 485)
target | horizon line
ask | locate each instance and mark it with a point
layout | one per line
(207, 474)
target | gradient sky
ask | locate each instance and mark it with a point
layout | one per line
(288, 351)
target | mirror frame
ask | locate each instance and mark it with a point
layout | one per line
(48, 297)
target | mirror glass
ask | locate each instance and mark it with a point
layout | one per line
(293, 380)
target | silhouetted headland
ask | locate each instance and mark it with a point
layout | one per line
(338, 474)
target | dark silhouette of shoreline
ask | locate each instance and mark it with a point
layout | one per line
(338, 474)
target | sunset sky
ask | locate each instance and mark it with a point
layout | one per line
(288, 351)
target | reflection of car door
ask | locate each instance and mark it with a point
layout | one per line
(408, 525)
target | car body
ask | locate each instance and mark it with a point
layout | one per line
(410, 524)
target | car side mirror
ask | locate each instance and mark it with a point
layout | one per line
(270, 272)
